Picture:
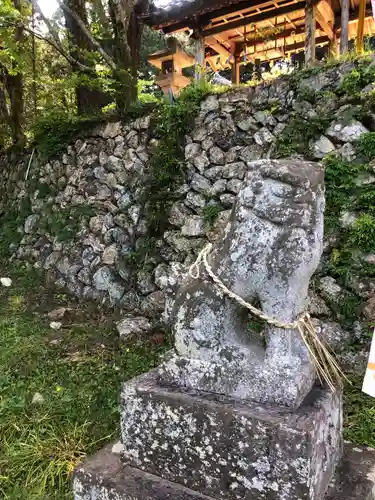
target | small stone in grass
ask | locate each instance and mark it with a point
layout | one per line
(55, 325)
(55, 341)
(6, 282)
(57, 313)
(38, 399)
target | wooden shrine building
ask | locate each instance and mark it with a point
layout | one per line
(229, 33)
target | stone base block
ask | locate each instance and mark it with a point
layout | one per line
(229, 450)
(105, 477)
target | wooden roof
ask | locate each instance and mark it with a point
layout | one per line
(269, 29)
(179, 11)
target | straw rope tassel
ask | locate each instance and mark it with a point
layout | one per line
(322, 358)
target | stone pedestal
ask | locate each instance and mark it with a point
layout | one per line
(105, 477)
(180, 445)
(228, 449)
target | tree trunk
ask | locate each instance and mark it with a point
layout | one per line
(121, 12)
(5, 124)
(135, 32)
(34, 56)
(89, 101)
(14, 86)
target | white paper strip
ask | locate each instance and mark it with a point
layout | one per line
(369, 382)
(373, 8)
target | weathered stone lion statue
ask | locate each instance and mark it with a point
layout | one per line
(266, 254)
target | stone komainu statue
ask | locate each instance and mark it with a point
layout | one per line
(266, 254)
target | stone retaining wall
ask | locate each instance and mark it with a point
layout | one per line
(84, 220)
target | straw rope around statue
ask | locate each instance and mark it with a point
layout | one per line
(325, 364)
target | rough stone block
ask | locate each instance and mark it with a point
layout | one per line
(229, 449)
(105, 477)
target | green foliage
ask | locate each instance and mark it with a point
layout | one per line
(298, 134)
(363, 233)
(44, 189)
(366, 145)
(65, 223)
(12, 218)
(306, 94)
(348, 309)
(211, 213)
(351, 82)
(79, 374)
(54, 130)
(344, 194)
(256, 325)
(152, 41)
(340, 179)
(359, 412)
(172, 123)
(148, 92)
(358, 78)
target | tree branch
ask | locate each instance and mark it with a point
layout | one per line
(111, 63)
(58, 47)
(47, 22)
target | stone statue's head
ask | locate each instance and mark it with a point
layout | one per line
(285, 193)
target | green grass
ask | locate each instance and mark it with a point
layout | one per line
(78, 371)
(359, 411)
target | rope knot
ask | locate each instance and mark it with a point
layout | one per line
(194, 270)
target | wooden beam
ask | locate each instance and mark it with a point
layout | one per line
(278, 53)
(344, 37)
(231, 9)
(261, 44)
(361, 25)
(251, 40)
(220, 49)
(326, 18)
(255, 18)
(321, 40)
(310, 25)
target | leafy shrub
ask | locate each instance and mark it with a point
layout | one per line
(363, 233)
(172, 123)
(298, 134)
(358, 78)
(366, 145)
(54, 130)
(210, 214)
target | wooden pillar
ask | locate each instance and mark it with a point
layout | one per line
(310, 26)
(200, 56)
(344, 39)
(334, 46)
(236, 66)
(361, 26)
(337, 44)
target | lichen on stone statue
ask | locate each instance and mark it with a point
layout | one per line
(267, 253)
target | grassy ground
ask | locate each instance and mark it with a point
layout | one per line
(78, 371)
